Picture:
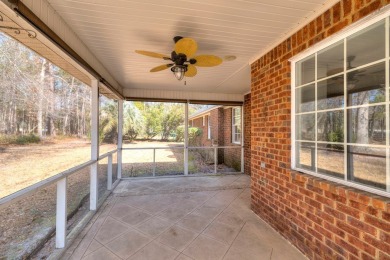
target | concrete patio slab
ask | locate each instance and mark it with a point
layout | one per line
(198, 218)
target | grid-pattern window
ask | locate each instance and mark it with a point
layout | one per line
(341, 110)
(236, 125)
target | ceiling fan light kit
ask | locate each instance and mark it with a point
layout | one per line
(184, 62)
(179, 71)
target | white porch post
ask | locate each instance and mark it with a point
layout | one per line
(61, 214)
(109, 172)
(242, 140)
(120, 138)
(93, 196)
(186, 140)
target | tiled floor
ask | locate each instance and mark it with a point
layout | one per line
(183, 218)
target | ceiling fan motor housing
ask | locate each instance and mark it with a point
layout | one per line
(179, 59)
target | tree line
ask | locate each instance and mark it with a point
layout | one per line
(37, 97)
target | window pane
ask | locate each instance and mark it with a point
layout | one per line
(367, 85)
(305, 71)
(330, 93)
(237, 138)
(367, 125)
(366, 46)
(237, 121)
(331, 160)
(305, 127)
(237, 112)
(305, 99)
(330, 60)
(367, 166)
(330, 126)
(305, 156)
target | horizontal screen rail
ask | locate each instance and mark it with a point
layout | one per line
(215, 147)
(181, 147)
(152, 148)
(107, 154)
(42, 184)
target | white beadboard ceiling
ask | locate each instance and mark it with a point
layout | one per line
(112, 30)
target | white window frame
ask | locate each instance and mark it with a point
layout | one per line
(208, 127)
(371, 19)
(203, 121)
(234, 124)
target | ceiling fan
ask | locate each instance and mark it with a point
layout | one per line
(183, 62)
(352, 76)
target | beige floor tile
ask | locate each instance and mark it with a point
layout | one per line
(154, 206)
(128, 243)
(173, 214)
(154, 226)
(207, 212)
(230, 218)
(222, 232)
(194, 222)
(133, 201)
(177, 237)
(110, 229)
(101, 254)
(183, 257)
(234, 254)
(135, 217)
(120, 210)
(204, 248)
(255, 236)
(155, 250)
(95, 245)
(79, 249)
(217, 203)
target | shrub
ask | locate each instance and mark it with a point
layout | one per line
(336, 136)
(194, 134)
(19, 139)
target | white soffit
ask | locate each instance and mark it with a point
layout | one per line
(114, 29)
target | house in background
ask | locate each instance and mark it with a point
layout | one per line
(221, 126)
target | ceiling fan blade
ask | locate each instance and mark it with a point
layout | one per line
(161, 67)
(207, 60)
(186, 46)
(191, 71)
(153, 54)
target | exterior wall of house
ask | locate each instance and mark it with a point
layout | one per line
(323, 219)
(221, 131)
(232, 156)
(198, 122)
(247, 134)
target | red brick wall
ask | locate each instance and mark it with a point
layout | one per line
(221, 130)
(247, 134)
(198, 122)
(232, 156)
(323, 219)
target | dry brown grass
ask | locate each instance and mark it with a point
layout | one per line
(366, 169)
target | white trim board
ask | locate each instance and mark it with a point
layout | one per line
(181, 95)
